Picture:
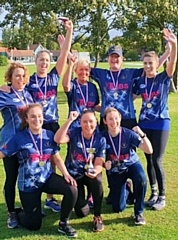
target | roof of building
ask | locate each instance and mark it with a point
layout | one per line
(21, 53)
(34, 46)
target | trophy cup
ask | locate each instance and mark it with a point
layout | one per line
(90, 167)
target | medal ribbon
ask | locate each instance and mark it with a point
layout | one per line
(40, 152)
(113, 80)
(151, 89)
(24, 103)
(84, 99)
(117, 154)
(43, 94)
(84, 147)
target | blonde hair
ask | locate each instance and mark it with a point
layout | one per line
(10, 71)
(43, 51)
(150, 54)
(23, 112)
(111, 109)
(81, 62)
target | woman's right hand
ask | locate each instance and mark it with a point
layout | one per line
(73, 59)
(73, 115)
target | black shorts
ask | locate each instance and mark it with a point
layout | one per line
(53, 126)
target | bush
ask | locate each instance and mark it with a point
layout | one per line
(3, 61)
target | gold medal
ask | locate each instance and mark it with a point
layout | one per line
(115, 94)
(41, 163)
(149, 105)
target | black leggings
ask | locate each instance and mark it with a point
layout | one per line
(156, 174)
(96, 188)
(11, 166)
(53, 126)
(31, 217)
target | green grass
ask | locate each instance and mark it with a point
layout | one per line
(160, 225)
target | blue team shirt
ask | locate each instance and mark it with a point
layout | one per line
(154, 111)
(76, 160)
(119, 96)
(76, 101)
(31, 176)
(9, 107)
(128, 156)
(51, 108)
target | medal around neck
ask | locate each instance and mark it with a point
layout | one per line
(41, 163)
(149, 105)
(90, 168)
(115, 94)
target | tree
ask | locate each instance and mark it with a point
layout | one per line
(140, 20)
(142, 23)
(92, 17)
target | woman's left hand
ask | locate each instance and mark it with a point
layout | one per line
(90, 175)
(71, 180)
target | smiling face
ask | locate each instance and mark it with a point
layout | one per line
(35, 119)
(150, 65)
(82, 71)
(43, 61)
(115, 62)
(113, 119)
(88, 124)
(18, 79)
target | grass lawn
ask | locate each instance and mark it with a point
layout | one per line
(160, 224)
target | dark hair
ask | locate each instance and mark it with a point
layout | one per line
(88, 111)
(25, 110)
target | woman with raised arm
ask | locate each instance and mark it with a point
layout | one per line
(154, 117)
(122, 162)
(34, 147)
(81, 94)
(44, 87)
(11, 102)
(85, 161)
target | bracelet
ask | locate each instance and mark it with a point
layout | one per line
(144, 135)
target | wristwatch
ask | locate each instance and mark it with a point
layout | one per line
(143, 136)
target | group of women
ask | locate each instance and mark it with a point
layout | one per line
(34, 150)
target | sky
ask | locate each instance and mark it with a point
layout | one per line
(112, 33)
(1, 18)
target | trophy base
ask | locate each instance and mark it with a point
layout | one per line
(91, 170)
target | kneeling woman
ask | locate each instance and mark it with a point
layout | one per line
(34, 146)
(87, 146)
(122, 163)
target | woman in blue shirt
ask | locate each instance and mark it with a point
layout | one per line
(34, 148)
(154, 116)
(11, 103)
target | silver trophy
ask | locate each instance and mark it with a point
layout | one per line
(89, 166)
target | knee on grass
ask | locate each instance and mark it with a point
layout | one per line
(83, 211)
